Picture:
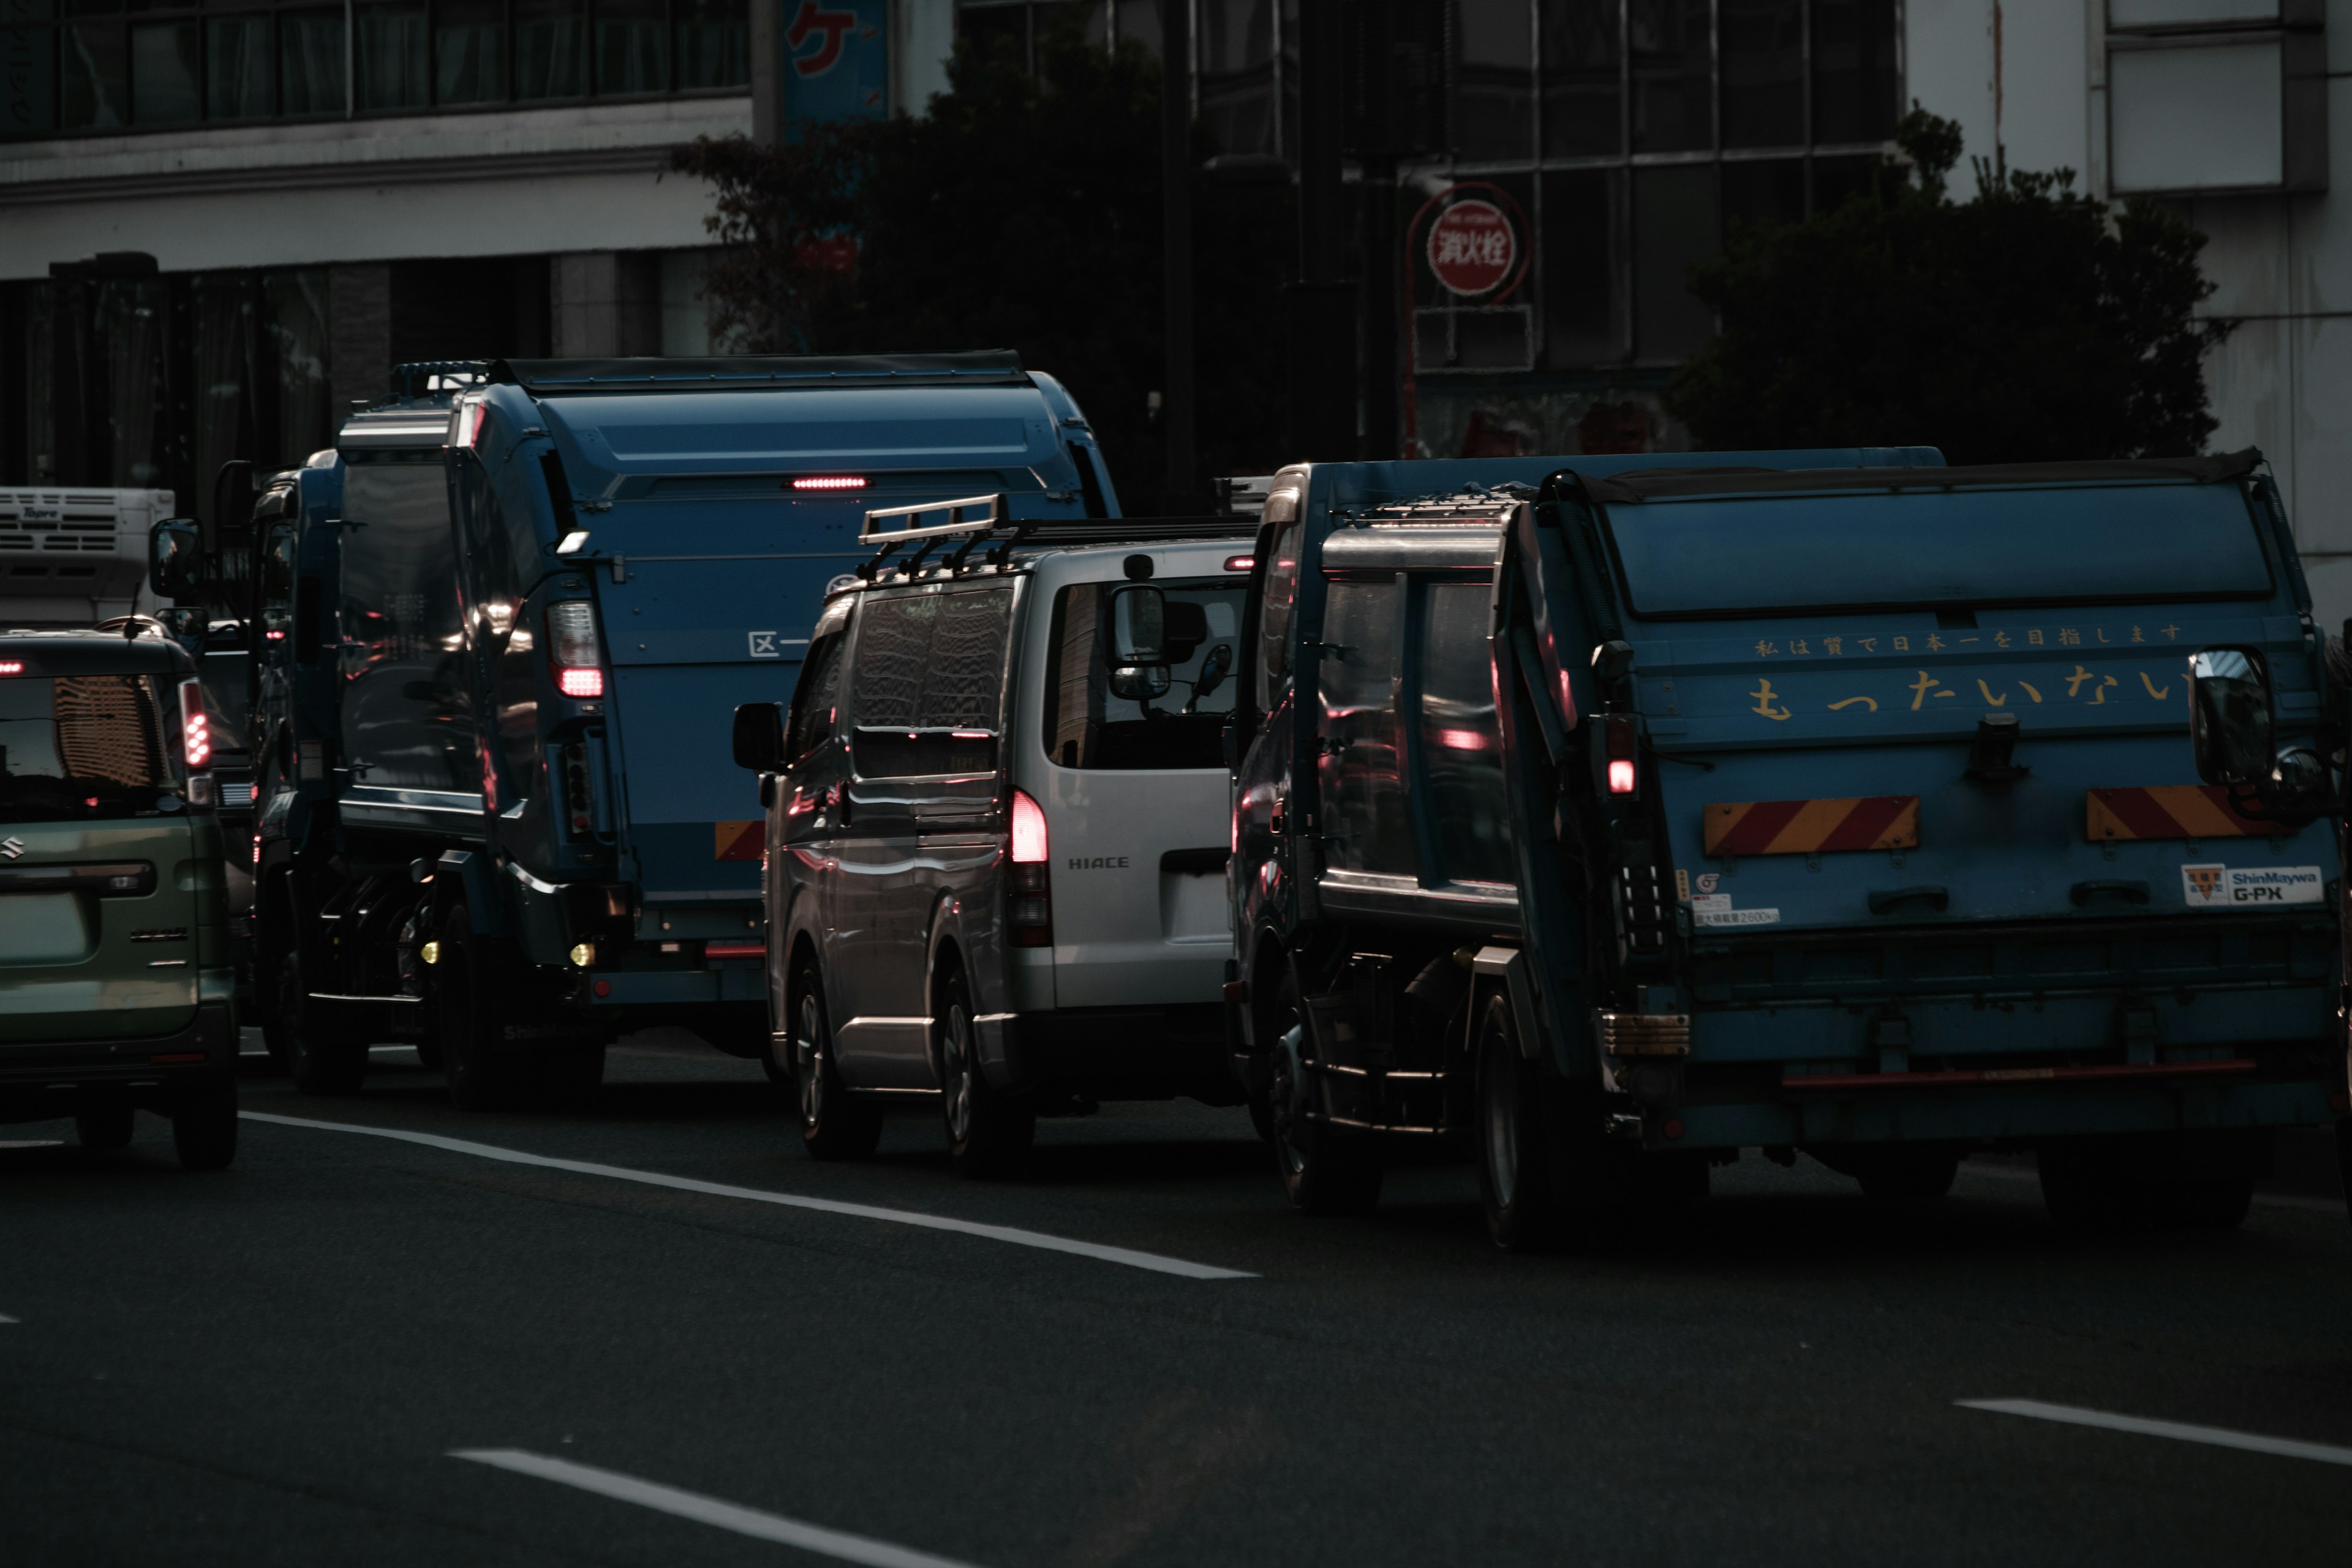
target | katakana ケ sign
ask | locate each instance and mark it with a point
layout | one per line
(836, 60)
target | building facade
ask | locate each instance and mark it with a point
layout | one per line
(327, 190)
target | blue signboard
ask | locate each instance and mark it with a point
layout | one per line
(836, 60)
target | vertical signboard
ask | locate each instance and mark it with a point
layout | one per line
(836, 60)
(28, 76)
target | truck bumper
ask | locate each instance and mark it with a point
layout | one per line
(1115, 1053)
(43, 1080)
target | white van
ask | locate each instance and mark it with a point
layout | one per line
(998, 823)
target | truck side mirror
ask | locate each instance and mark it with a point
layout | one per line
(760, 737)
(1139, 625)
(174, 558)
(2230, 729)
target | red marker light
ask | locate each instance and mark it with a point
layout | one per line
(830, 482)
(1621, 777)
(196, 727)
(12, 667)
(1240, 563)
(1028, 831)
(470, 422)
(581, 683)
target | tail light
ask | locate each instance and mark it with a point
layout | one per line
(830, 482)
(573, 647)
(470, 422)
(1622, 778)
(196, 742)
(1029, 899)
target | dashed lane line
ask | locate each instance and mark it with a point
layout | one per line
(1127, 1257)
(2217, 1437)
(710, 1510)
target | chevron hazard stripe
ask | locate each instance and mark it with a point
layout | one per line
(1813, 826)
(738, 840)
(2166, 811)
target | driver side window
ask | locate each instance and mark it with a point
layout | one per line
(1281, 597)
(814, 700)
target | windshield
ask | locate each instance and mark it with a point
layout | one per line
(81, 747)
(2081, 544)
(1091, 726)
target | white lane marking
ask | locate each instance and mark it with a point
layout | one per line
(2270, 1200)
(4, 1318)
(710, 1510)
(1036, 1238)
(2219, 1436)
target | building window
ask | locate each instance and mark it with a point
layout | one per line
(96, 70)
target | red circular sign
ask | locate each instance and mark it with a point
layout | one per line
(1472, 248)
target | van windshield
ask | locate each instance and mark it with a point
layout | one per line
(1088, 725)
(1847, 550)
(77, 747)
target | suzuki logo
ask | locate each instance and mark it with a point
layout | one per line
(12, 847)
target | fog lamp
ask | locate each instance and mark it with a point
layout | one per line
(430, 952)
(583, 955)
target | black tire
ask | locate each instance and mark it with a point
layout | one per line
(1323, 1172)
(835, 1123)
(988, 1129)
(204, 1129)
(480, 1076)
(1514, 1169)
(104, 1129)
(321, 1057)
(1906, 1172)
(273, 1021)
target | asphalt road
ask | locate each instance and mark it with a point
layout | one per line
(353, 1349)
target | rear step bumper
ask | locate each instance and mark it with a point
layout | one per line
(41, 1079)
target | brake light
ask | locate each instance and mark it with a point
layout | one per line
(196, 726)
(12, 667)
(470, 422)
(1240, 563)
(1028, 831)
(830, 482)
(1621, 776)
(573, 647)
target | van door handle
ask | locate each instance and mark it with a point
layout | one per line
(1889, 898)
(2129, 891)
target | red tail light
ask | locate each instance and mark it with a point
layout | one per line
(1028, 894)
(1240, 563)
(470, 422)
(575, 650)
(830, 482)
(581, 683)
(196, 726)
(1622, 778)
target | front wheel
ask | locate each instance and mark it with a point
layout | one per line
(989, 1131)
(204, 1129)
(1323, 1172)
(1514, 1176)
(835, 1123)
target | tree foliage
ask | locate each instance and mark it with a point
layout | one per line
(2028, 323)
(1021, 212)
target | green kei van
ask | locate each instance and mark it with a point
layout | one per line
(116, 985)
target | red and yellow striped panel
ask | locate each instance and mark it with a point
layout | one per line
(2166, 811)
(1813, 826)
(738, 840)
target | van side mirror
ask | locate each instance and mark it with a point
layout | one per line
(174, 558)
(2230, 724)
(760, 737)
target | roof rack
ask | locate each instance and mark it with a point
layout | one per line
(987, 367)
(1006, 534)
(437, 376)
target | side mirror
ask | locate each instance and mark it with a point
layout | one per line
(174, 558)
(2230, 729)
(1138, 682)
(1213, 671)
(760, 737)
(1139, 626)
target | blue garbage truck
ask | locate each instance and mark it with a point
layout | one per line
(1607, 817)
(504, 625)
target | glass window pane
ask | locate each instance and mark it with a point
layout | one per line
(223, 310)
(130, 329)
(1236, 54)
(1094, 727)
(238, 70)
(1855, 96)
(166, 60)
(1757, 194)
(1368, 819)
(95, 90)
(1139, 23)
(1837, 181)
(1763, 46)
(29, 70)
(294, 312)
(92, 7)
(390, 64)
(469, 51)
(1673, 95)
(1461, 740)
(713, 44)
(632, 47)
(1494, 85)
(1583, 288)
(1674, 228)
(550, 49)
(1582, 113)
(310, 62)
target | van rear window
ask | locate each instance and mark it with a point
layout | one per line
(2077, 545)
(1087, 725)
(75, 747)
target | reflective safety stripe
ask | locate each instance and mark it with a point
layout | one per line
(2166, 811)
(738, 840)
(1813, 826)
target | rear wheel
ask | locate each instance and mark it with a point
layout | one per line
(480, 1077)
(835, 1123)
(103, 1128)
(988, 1129)
(204, 1129)
(1323, 1172)
(322, 1057)
(1514, 1176)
